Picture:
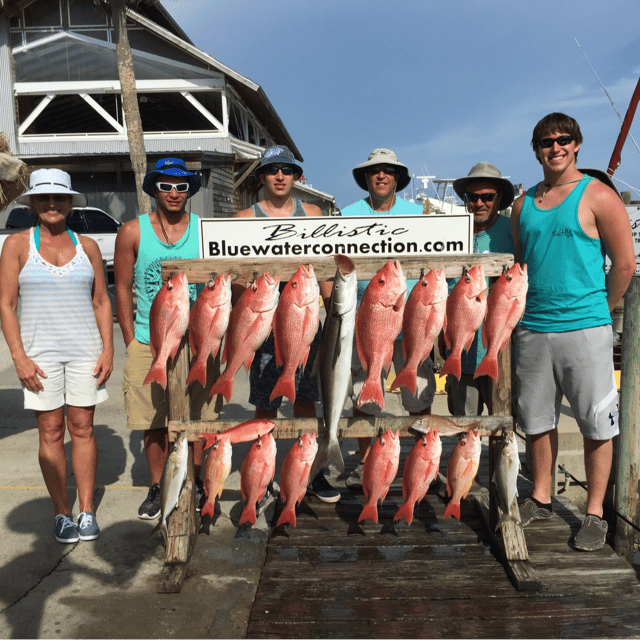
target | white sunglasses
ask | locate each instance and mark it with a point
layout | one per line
(168, 187)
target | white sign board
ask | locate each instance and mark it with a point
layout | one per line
(422, 235)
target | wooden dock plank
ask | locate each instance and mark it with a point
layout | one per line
(331, 577)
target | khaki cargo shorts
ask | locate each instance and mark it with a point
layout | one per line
(147, 406)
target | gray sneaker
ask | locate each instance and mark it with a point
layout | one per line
(530, 511)
(321, 488)
(354, 481)
(88, 526)
(66, 530)
(592, 534)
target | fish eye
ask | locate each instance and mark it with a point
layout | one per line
(381, 281)
(294, 284)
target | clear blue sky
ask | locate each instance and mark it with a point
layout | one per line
(444, 83)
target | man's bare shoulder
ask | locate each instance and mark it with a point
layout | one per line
(245, 213)
(601, 197)
(312, 209)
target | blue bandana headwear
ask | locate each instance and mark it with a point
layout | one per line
(278, 154)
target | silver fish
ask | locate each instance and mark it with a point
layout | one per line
(173, 477)
(505, 476)
(334, 361)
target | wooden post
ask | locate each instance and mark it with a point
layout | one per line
(628, 467)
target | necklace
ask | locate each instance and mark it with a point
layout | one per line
(279, 215)
(548, 185)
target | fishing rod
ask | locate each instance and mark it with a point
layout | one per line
(614, 163)
(568, 476)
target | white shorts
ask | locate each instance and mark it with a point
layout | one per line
(70, 382)
(576, 364)
(426, 388)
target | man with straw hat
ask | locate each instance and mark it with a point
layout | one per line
(142, 244)
(382, 175)
(485, 193)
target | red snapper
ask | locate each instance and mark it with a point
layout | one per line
(257, 471)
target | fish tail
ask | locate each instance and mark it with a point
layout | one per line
(507, 517)
(288, 516)
(335, 455)
(207, 510)
(406, 378)
(370, 511)
(452, 365)
(405, 512)
(488, 367)
(285, 386)
(248, 514)
(223, 385)
(198, 373)
(371, 392)
(162, 527)
(453, 509)
(157, 373)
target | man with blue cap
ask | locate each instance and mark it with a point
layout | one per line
(168, 233)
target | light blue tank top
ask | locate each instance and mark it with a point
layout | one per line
(565, 266)
(147, 272)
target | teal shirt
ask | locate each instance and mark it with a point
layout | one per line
(567, 288)
(401, 207)
(147, 270)
(496, 239)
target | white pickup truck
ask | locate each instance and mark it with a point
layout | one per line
(87, 221)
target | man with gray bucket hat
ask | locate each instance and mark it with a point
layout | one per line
(382, 175)
(485, 193)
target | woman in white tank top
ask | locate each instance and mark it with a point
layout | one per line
(57, 320)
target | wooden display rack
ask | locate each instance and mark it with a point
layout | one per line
(183, 523)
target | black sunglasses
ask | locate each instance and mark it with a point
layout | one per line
(272, 170)
(485, 197)
(547, 143)
(390, 171)
(168, 187)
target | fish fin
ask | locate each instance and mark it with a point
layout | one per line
(198, 372)
(452, 510)
(406, 378)
(285, 386)
(157, 373)
(223, 358)
(452, 365)
(405, 512)
(371, 392)
(248, 514)
(248, 361)
(488, 367)
(223, 385)
(369, 511)
(288, 516)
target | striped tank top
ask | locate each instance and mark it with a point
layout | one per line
(55, 309)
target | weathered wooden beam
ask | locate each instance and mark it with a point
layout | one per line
(247, 270)
(360, 427)
(628, 467)
(520, 571)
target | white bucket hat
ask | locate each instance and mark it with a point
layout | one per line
(491, 173)
(382, 156)
(45, 181)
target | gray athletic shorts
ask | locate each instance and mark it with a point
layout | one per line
(576, 364)
(413, 404)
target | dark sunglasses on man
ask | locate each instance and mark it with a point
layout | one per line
(485, 197)
(272, 170)
(168, 187)
(390, 171)
(547, 143)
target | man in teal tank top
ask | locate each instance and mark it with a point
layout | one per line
(142, 245)
(562, 228)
